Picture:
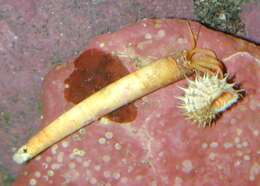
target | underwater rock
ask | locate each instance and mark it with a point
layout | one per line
(159, 147)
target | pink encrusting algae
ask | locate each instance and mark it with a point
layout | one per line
(103, 100)
(159, 147)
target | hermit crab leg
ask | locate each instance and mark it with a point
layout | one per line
(210, 66)
(205, 52)
(202, 59)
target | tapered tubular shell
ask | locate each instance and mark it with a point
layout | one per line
(125, 90)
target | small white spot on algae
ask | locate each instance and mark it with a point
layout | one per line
(44, 165)
(124, 180)
(187, 166)
(214, 145)
(72, 165)
(237, 163)
(148, 36)
(239, 131)
(117, 146)
(107, 174)
(161, 33)
(48, 159)
(237, 140)
(37, 174)
(76, 137)
(233, 121)
(251, 178)
(182, 40)
(239, 153)
(82, 131)
(178, 181)
(256, 132)
(212, 156)
(86, 163)
(204, 145)
(32, 182)
(254, 171)
(65, 144)
(106, 158)
(88, 173)
(228, 145)
(104, 121)
(253, 104)
(220, 167)
(153, 183)
(46, 177)
(50, 182)
(55, 166)
(243, 108)
(116, 175)
(246, 157)
(78, 152)
(102, 141)
(239, 146)
(50, 173)
(139, 177)
(70, 176)
(25, 173)
(38, 158)
(93, 180)
(124, 161)
(97, 167)
(60, 157)
(130, 169)
(101, 45)
(78, 159)
(161, 154)
(109, 135)
(157, 25)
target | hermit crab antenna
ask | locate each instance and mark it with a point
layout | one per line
(194, 38)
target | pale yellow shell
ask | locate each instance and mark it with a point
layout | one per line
(206, 97)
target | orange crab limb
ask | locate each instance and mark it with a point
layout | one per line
(209, 65)
(202, 51)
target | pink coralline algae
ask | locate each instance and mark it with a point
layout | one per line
(159, 147)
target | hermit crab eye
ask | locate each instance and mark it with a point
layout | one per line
(22, 155)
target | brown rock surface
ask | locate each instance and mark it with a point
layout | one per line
(159, 147)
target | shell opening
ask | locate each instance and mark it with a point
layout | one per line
(22, 155)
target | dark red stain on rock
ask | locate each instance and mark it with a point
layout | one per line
(94, 69)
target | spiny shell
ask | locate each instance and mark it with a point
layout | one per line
(206, 97)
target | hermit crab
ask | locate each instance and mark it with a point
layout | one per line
(151, 77)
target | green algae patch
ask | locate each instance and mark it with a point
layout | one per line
(223, 15)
